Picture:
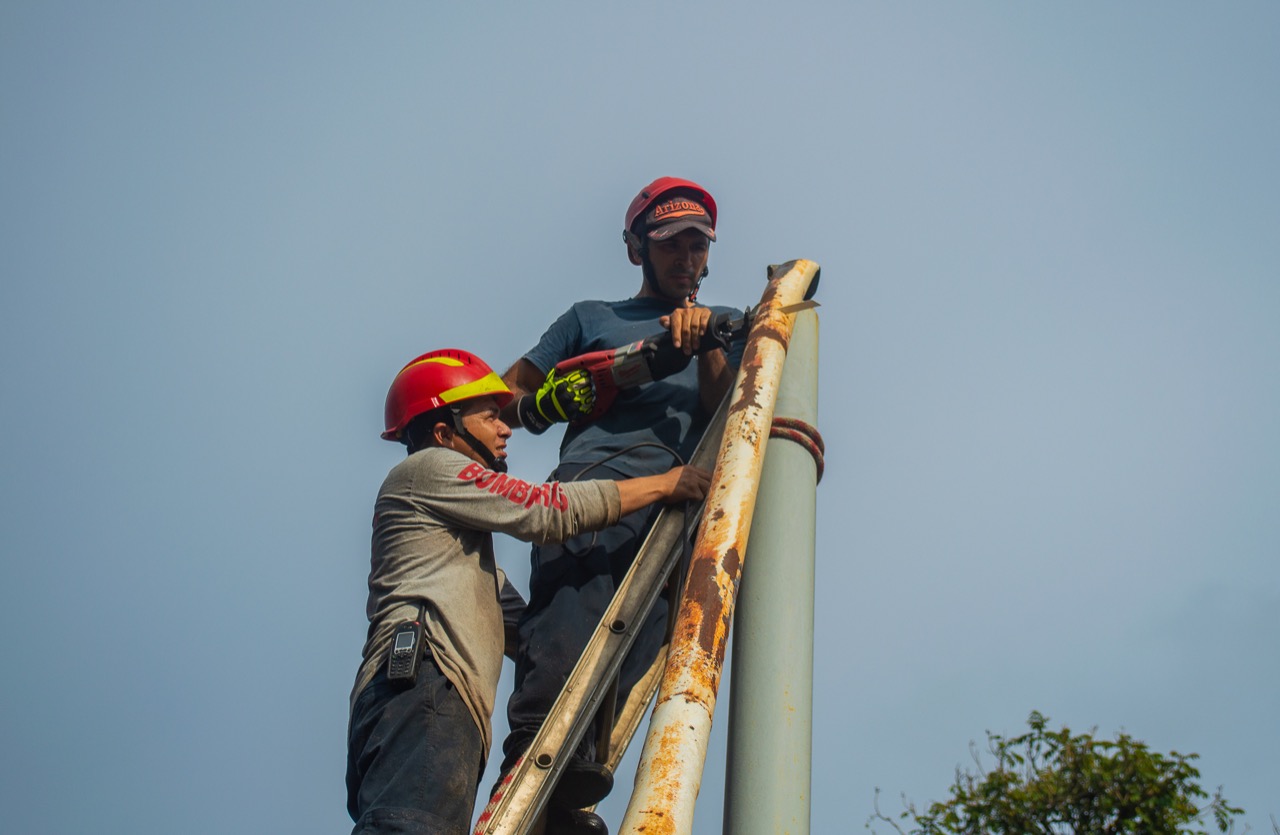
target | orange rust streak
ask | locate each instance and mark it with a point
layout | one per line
(665, 768)
(695, 681)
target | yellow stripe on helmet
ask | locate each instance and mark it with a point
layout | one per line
(491, 383)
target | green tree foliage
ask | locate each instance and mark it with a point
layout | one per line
(1047, 782)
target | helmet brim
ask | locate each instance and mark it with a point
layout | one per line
(667, 230)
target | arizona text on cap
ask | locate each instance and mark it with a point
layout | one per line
(676, 214)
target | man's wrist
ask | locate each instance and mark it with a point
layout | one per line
(530, 418)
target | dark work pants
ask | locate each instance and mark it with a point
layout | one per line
(414, 757)
(570, 587)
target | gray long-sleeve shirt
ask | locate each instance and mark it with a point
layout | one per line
(433, 530)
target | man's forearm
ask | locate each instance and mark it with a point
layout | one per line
(522, 378)
(635, 493)
(509, 413)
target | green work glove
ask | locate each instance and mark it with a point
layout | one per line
(563, 396)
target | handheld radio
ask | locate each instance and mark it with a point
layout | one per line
(406, 650)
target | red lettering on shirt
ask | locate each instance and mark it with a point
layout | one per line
(515, 490)
(536, 495)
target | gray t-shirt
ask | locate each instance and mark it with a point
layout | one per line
(433, 546)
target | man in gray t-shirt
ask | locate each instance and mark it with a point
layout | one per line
(668, 230)
(419, 731)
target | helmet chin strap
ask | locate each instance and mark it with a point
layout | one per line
(693, 294)
(498, 465)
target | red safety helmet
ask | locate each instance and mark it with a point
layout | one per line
(435, 379)
(653, 192)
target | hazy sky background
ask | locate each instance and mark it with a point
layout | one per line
(1049, 238)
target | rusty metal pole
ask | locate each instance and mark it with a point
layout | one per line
(675, 750)
(767, 780)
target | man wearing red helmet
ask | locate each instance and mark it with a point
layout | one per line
(668, 230)
(419, 730)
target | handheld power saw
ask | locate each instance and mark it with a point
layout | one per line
(654, 358)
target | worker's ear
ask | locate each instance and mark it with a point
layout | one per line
(442, 433)
(633, 247)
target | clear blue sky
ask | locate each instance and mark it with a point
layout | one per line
(1049, 387)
